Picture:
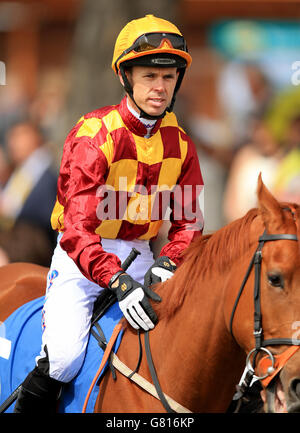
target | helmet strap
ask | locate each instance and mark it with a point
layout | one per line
(178, 84)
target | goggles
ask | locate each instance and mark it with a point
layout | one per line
(152, 41)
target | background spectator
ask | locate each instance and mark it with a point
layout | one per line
(261, 155)
(287, 177)
(30, 191)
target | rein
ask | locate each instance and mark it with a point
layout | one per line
(114, 362)
(270, 365)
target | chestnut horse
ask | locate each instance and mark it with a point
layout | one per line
(205, 328)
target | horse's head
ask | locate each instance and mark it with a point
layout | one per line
(270, 336)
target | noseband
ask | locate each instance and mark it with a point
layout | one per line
(260, 343)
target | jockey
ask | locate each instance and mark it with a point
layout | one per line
(122, 167)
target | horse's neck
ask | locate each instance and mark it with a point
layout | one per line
(196, 354)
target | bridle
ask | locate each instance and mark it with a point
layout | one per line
(260, 343)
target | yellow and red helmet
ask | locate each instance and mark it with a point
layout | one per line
(149, 38)
(150, 41)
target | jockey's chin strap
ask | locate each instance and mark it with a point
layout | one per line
(271, 367)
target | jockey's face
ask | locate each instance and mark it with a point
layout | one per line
(153, 88)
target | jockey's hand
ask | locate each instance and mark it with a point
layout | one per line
(134, 303)
(162, 269)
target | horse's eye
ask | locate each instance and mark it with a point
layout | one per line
(276, 280)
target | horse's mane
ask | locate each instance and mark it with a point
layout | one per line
(207, 254)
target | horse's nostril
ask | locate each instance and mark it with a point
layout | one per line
(295, 388)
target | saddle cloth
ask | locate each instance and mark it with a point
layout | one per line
(20, 343)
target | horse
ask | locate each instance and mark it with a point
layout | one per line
(210, 326)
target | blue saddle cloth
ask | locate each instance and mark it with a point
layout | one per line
(22, 331)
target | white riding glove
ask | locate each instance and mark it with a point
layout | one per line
(162, 269)
(134, 303)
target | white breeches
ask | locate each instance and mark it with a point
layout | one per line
(69, 305)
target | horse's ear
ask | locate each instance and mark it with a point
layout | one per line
(270, 208)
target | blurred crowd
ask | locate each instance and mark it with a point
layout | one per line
(241, 123)
(28, 171)
(252, 127)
